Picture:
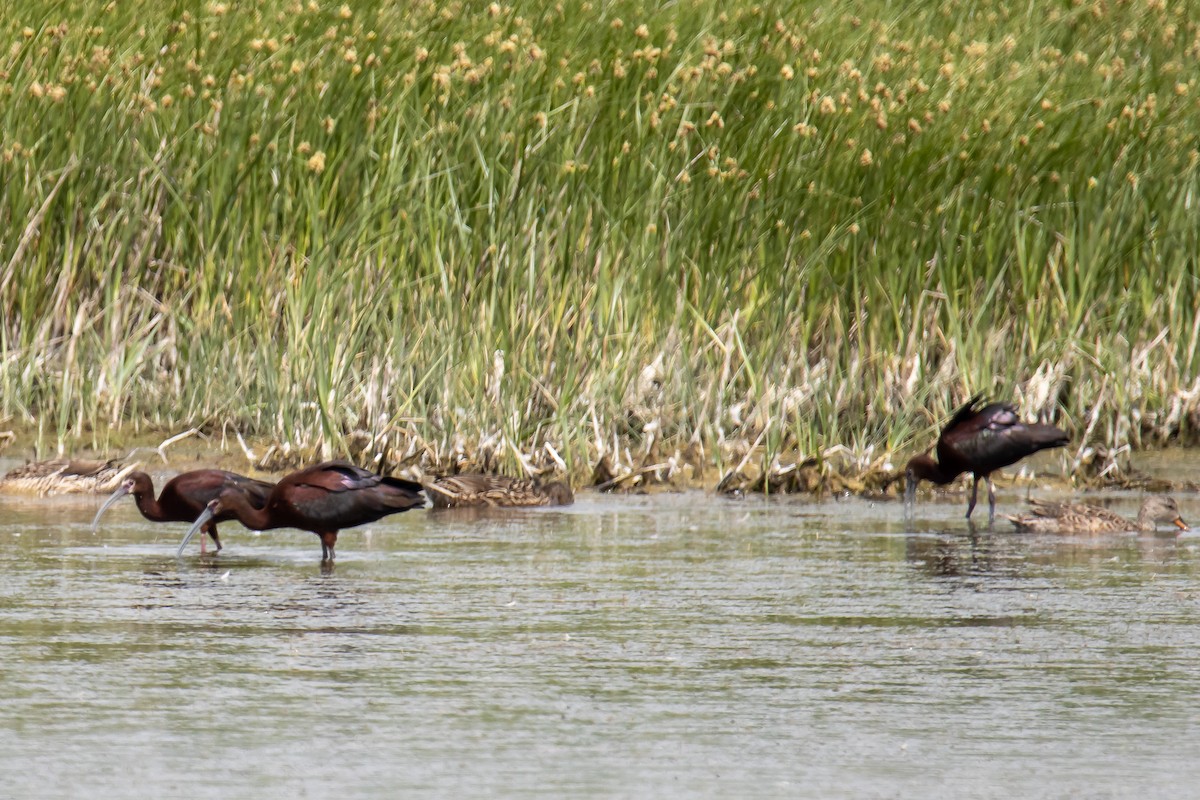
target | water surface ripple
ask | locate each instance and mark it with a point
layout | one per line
(670, 646)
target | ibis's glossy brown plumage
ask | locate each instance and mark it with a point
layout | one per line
(184, 497)
(321, 499)
(980, 440)
(475, 490)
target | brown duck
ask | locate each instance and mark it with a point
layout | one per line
(63, 476)
(1081, 518)
(476, 489)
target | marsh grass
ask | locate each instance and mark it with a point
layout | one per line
(663, 239)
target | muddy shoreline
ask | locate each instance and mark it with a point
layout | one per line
(834, 475)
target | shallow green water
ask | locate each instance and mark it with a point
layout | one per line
(667, 646)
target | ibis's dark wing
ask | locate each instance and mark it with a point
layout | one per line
(191, 491)
(964, 413)
(256, 491)
(994, 437)
(337, 494)
(333, 476)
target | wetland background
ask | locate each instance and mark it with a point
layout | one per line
(689, 242)
(700, 238)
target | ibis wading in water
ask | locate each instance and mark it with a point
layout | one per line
(322, 499)
(184, 497)
(979, 441)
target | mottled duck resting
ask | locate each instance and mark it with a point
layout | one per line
(63, 476)
(1080, 518)
(476, 490)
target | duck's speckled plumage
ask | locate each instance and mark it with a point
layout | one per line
(1082, 518)
(64, 476)
(476, 490)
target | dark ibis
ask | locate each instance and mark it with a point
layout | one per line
(321, 499)
(63, 476)
(980, 441)
(1082, 518)
(471, 490)
(184, 497)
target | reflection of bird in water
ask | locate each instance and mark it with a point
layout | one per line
(1080, 518)
(184, 497)
(979, 441)
(936, 556)
(63, 476)
(945, 555)
(321, 499)
(954, 557)
(476, 489)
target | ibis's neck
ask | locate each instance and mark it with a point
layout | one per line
(148, 505)
(258, 519)
(925, 468)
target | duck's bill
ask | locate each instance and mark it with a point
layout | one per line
(200, 522)
(1179, 523)
(121, 491)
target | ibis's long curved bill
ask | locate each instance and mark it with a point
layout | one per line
(197, 525)
(910, 495)
(121, 491)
